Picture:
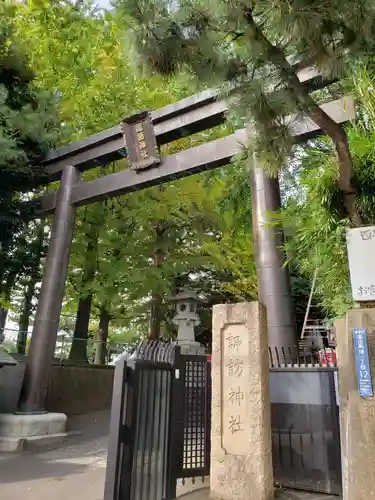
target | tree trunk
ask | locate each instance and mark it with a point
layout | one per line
(307, 104)
(346, 170)
(101, 346)
(23, 325)
(27, 305)
(3, 320)
(78, 350)
(7, 290)
(156, 315)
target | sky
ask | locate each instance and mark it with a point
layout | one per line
(103, 3)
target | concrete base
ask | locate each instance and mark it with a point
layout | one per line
(18, 432)
(17, 445)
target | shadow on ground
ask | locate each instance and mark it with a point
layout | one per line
(20, 469)
(280, 494)
(76, 469)
(72, 469)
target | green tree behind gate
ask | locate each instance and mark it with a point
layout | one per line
(249, 45)
(28, 123)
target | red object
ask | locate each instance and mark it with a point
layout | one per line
(209, 357)
(328, 357)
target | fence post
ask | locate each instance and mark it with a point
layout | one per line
(176, 426)
(122, 431)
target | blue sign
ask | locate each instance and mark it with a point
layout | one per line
(362, 362)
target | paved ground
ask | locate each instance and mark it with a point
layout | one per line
(76, 469)
(203, 494)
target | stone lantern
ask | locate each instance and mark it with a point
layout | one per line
(186, 319)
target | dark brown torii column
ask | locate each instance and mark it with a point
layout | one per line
(274, 290)
(43, 340)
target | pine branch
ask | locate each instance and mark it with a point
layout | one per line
(307, 104)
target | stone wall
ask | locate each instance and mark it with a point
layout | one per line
(75, 390)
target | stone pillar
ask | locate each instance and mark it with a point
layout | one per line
(241, 450)
(274, 290)
(357, 414)
(46, 324)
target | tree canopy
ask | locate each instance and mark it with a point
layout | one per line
(313, 216)
(28, 125)
(255, 49)
(130, 254)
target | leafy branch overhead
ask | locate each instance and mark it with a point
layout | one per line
(249, 48)
(28, 124)
(312, 215)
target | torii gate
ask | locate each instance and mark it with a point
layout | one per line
(138, 138)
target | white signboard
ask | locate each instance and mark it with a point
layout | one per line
(361, 255)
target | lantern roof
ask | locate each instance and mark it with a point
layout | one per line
(185, 293)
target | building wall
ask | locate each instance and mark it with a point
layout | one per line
(75, 390)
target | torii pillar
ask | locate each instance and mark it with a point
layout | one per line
(274, 289)
(46, 324)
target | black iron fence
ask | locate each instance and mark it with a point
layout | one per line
(305, 423)
(300, 357)
(160, 423)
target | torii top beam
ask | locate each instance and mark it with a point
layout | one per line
(188, 116)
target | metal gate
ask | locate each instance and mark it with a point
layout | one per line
(160, 423)
(140, 452)
(305, 427)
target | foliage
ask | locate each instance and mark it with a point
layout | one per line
(199, 238)
(96, 87)
(195, 231)
(76, 52)
(28, 123)
(28, 257)
(316, 236)
(258, 47)
(313, 216)
(255, 49)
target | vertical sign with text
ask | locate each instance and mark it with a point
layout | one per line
(234, 376)
(140, 141)
(361, 248)
(362, 362)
